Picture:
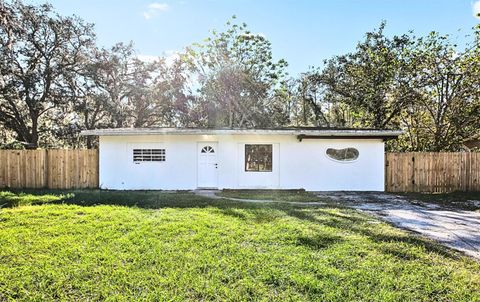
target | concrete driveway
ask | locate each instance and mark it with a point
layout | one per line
(458, 229)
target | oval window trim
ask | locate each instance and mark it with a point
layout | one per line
(356, 155)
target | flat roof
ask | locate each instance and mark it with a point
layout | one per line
(301, 133)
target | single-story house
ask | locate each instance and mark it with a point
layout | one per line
(315, 159)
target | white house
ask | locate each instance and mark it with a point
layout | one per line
(185, 158)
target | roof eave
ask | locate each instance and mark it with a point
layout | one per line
(380, 136)
(300, 133)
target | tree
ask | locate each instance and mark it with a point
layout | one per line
(139, 93)
(111, 72)
(37, 55)
(237, 77)
(316, 105)
(374, 81)
(447, 109)
(163, 98)
(90, 105)
(174, 103)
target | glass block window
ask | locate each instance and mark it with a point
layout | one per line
(141, 155)
(258, 158)
(345, 154)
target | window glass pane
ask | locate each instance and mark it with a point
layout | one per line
(258, 158)
(346, 154)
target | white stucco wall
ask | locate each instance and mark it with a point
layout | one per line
(295, 164)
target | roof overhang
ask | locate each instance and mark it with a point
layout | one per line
(385, 137)
(300, 133)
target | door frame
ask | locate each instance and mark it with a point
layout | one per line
(203, 143)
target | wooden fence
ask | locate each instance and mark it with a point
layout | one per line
(55, 169)
(404, 172)
(432, 172)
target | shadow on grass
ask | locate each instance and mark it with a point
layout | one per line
(329, 215)
(360, 225)
(319, 241)
(140, 199)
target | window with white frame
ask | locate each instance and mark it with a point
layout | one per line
(148, 155)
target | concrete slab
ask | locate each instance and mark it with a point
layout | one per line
(458, 229)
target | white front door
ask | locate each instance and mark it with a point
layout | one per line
(207, 165)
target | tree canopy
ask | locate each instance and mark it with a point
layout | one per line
(56, 81)
(237, 76)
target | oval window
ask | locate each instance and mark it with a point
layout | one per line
(345, 154)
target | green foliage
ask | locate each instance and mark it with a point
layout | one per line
(137, 93)
(56, 81)
(215, 250)
(426, 86)
(238, 77)
(446, 110)
(39, 52)
(374, 82)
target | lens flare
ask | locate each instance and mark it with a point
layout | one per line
(476, 9)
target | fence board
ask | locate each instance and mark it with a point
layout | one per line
(404, 172)
(56, 169)
(437, 172)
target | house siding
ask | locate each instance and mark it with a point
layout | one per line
(295, 164)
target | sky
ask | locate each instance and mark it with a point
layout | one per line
(304, 32)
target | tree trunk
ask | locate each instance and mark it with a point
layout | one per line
(89, 142)
(33, 141)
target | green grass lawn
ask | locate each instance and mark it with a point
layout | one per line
(275, 195)
(91, 245)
